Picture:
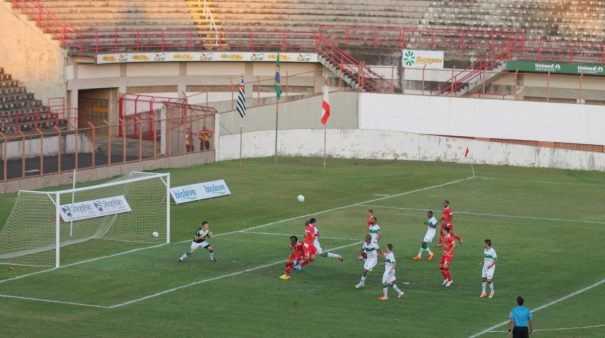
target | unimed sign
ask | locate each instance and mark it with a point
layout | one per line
(555, 67)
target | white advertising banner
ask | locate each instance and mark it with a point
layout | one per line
(199, 191)
(94, 208)
(428, 59)
(206, 57)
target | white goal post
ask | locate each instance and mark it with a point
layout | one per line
(130, 211)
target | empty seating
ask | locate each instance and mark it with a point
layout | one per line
(20, 111)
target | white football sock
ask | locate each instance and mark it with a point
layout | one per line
(396, 288)
(332, 255)
(483, 286)
(385, 291)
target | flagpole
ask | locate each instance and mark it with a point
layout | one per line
(325, 145)
(240, 142)
(276, 126)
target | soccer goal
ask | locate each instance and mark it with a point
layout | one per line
(131, 211)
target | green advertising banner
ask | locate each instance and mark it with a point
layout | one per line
(555, 67)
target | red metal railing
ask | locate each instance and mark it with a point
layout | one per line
(464, 78)
(397, 37)
(342, 36)
(46, 20)
(28, 121)
(355, 70)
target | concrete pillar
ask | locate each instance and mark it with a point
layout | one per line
(72, 108)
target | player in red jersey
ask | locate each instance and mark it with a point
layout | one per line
(296, 256)
(447, 219)
(309, 247)
(447, 256)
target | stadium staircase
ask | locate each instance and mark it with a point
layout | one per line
(20, 111)
(479, 73)
(201, 12)
(350, 70)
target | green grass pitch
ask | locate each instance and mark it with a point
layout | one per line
(546, 225)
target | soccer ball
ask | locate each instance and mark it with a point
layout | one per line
(301, 198)
(155, 234)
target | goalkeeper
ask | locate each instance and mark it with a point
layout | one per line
(200, 240)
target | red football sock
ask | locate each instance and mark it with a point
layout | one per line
(448, 274)
(289, 265)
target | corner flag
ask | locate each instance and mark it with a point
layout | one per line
(325, 104)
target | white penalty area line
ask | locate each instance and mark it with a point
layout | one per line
(208, 280)
(53, 301)
(575, 293)
(494, 215)
(562, 328)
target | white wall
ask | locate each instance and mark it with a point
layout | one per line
(14, 148)
(520, 120)
(389, 145)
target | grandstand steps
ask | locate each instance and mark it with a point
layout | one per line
(20, 111)
(484, 80)
(203, 17)
(348, 77)
(272, 15)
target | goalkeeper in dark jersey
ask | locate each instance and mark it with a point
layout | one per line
(200, 240)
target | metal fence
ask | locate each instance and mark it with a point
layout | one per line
(54, 151)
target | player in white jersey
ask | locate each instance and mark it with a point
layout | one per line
(317, 245)
(200, 240)
(388, 278)
(369, 251)
(428, 237)
(374, 230)
(489, 267)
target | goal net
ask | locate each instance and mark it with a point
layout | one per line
(131, 211)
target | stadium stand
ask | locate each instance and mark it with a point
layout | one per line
(20, 111)
(576, 20)
(304, 14)
(122, 15)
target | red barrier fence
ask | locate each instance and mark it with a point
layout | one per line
(343, 36)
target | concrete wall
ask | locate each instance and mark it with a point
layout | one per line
(519, 120)
(31, 56)
(393, 145)
(299, 114)
(50, 145)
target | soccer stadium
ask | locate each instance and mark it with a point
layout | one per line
(302, 168)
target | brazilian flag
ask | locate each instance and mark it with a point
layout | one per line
(277, 84)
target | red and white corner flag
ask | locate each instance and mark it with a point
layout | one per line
(466, 152)
(325, 104)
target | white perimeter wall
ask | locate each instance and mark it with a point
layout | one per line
(400, 127)
(389, 145)
(520, 120)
